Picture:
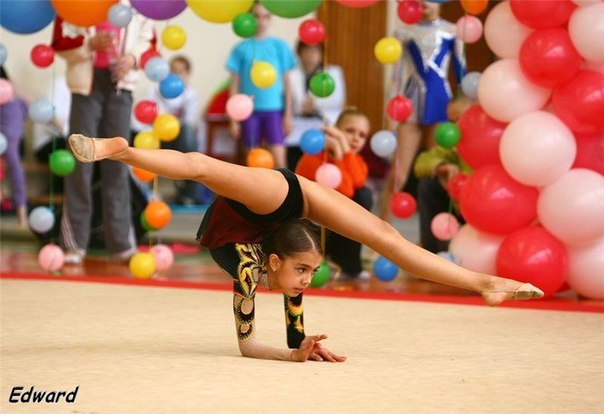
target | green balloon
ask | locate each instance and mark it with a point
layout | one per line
(447, 134)
(245, 25)
(321, 276)
(290, 8)
(61, 162)
(322, 84)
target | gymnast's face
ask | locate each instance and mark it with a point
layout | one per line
(292, 274)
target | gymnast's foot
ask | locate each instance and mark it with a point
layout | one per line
(524, 291)
(94, 149)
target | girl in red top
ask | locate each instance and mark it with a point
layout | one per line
(343, 143)
(278, 201)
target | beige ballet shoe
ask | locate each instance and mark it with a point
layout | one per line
(84, 150)
(524, 292)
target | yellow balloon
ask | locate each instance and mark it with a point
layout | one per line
(388, 50)
(146, 140)
(173, 37)
(263, 74)
(142, 265)
(219, 11)
(166, 127)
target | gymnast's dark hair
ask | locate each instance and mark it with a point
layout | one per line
(292, 237)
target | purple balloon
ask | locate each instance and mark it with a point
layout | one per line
(159, 9)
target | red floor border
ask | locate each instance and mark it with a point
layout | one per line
(558, 304)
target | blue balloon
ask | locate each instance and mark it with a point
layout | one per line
(157, 69)
(3, 54)
(41, 111)
(26, 16)
(171, 87)
(448, 256)
(384, 269)
(120, 15)
(312, 141)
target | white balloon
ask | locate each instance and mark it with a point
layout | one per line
(586, 269)
(476, 250)
(3, 143)
(503, 33)
(383, 143)
(586, 30)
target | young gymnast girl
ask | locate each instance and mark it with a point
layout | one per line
(259, 231)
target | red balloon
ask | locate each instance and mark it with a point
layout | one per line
(145, 111)
(311, 32)
(403, 205)
(534, 256)
(590, 152)
(494, 202)
(147, 55)
(580, 102)
(480, 136)
(548, 58)
(42, 55)
(410, 11)
(542, 14)
(357, 3)
(399, 108)
(455, 185)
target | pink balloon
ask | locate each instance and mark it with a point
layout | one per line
(6, 91)
(164, 257)
(468, 29)
(586, 30)
(590, 152)
(51, 257)
(542, 14)
(239, 107)
(444, 226)
(475, 250)
(572, 207)
(503, 33)
(586, 273)
(480, 137)
(329, 175)
(505, 93)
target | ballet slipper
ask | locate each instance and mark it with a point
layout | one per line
(84, 150)
(524, 292)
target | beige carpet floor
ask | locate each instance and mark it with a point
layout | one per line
(133, 349)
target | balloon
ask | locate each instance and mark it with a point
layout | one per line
(403, 205)
(537, 149)
(410, 11)
(120, 15)
(26, 17)
(245, 25)
(147, 55)
(6, 91)
(505, 93)
(3, 54)
(480, 136)
(468, 29)
(83, 13)
(159, 9)
(143, 175)
(455, 185)
(586, 270)
(144, 224)
(388, 50)
(590, 152)
(469, 84)
(384, 269)
(146, 140)
(171, 87)
(329, 175)
(503, 33)
(41, 111)
(580, 102)
(263, 74)
(291, 8)
(383, 143)
(571, 208)
(145, 111)
(42, 55)
(239, 107)
(41, 220)
(51, 258)
(475, 250)
(399, 108)
(548, 58)
(173, 37)
(447, 256)
(164, 257)
(311, 31)
(260, 158)
(312, 141)
(158, 214)
(322, 84)
(157, 69)
(447, 134)
(586, 28)
(444, 226)
(142, 265)
(474, 6)
(3, 146)
(166, 127)
(542, 14)
(61, 162)
(219, 11)
(494, 202)
(357, 3)
(321, 276)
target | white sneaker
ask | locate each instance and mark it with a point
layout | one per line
(124, 256)
(75, 256)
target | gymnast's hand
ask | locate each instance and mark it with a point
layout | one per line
(310, 348)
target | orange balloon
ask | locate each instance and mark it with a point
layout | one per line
(158, 214)
(260, 158)
(83, 13)
(474, 6)
(143, 175)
